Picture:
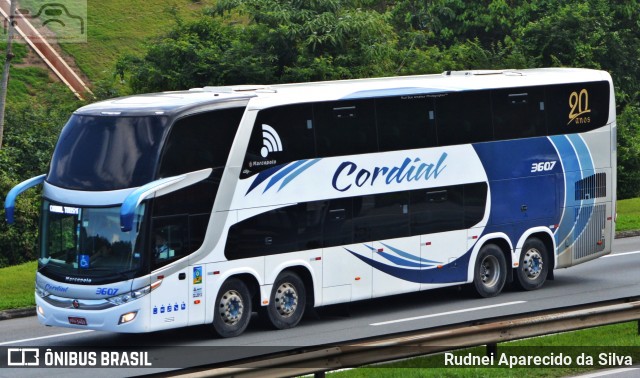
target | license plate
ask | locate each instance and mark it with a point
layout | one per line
(77, 321)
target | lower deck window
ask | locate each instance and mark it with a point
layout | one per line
(343, 221)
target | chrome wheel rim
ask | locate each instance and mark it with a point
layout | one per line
(286, 300)
(231, 307)
(489, 271)
(532, 263)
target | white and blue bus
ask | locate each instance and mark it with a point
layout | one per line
(200, 207)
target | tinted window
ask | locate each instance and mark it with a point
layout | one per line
(406, 122)
(106, 152)
(576, 108)
(200, 141)
(475, 202)
(464, 117)
(286, 229)
(280, 135)
(518, 113)
(382, 216)
(344, 221)
(169, 239)
(266, 234)
(345, 128)
(437, 210)
(338, 223)
(183, 216)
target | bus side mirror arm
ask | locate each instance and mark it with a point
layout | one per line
(10, 201)
(156, 188)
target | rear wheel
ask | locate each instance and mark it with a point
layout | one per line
(533, 268)
(233, 308)
(287, 302)
(490, 273)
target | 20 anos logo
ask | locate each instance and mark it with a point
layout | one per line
(579, 105)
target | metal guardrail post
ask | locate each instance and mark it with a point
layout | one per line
(492, 349)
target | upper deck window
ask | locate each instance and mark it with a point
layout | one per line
(100, 153)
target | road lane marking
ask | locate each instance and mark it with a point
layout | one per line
(623, 254)
(44, 337)
(448, 313)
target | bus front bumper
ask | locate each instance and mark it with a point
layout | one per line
(131, 317)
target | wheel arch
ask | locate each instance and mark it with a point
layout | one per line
(306, 276)
(252, 284)
(251, 280)
(499, 239)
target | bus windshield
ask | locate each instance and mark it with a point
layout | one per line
(99, 153)
(88, 242)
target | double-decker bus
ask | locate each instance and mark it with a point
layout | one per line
(202, 206)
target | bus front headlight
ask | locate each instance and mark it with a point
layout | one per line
(130, 296)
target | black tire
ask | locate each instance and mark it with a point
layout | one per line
(287, 302)
(534, 265)
(490, 272)
(232, 311)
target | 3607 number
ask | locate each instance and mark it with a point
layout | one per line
(543, 166)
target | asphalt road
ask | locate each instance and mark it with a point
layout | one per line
(610, 277)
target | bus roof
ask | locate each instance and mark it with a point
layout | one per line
(264, 96)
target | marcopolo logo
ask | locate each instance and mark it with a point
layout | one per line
(78, 279)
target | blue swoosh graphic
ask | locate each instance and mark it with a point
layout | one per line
(399, 261)
(264, 175)
(297, 172)
(280, 172)
(455, 271)
(410, 256)
(283, 173)
(572, 171)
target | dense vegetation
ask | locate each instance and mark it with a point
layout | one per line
(276, 41)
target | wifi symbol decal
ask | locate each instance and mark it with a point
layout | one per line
(271, 141)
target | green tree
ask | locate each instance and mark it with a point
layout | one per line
(629, 152)
(278, 41)
(31, 133)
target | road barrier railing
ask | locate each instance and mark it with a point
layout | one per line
(490, 332)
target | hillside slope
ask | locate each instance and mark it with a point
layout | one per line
(118, 27)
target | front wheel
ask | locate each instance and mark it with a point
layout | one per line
(233, 308)
(287, 302)
(490, 273)
(533, 268)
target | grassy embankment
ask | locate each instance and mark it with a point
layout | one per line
(119, 27)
